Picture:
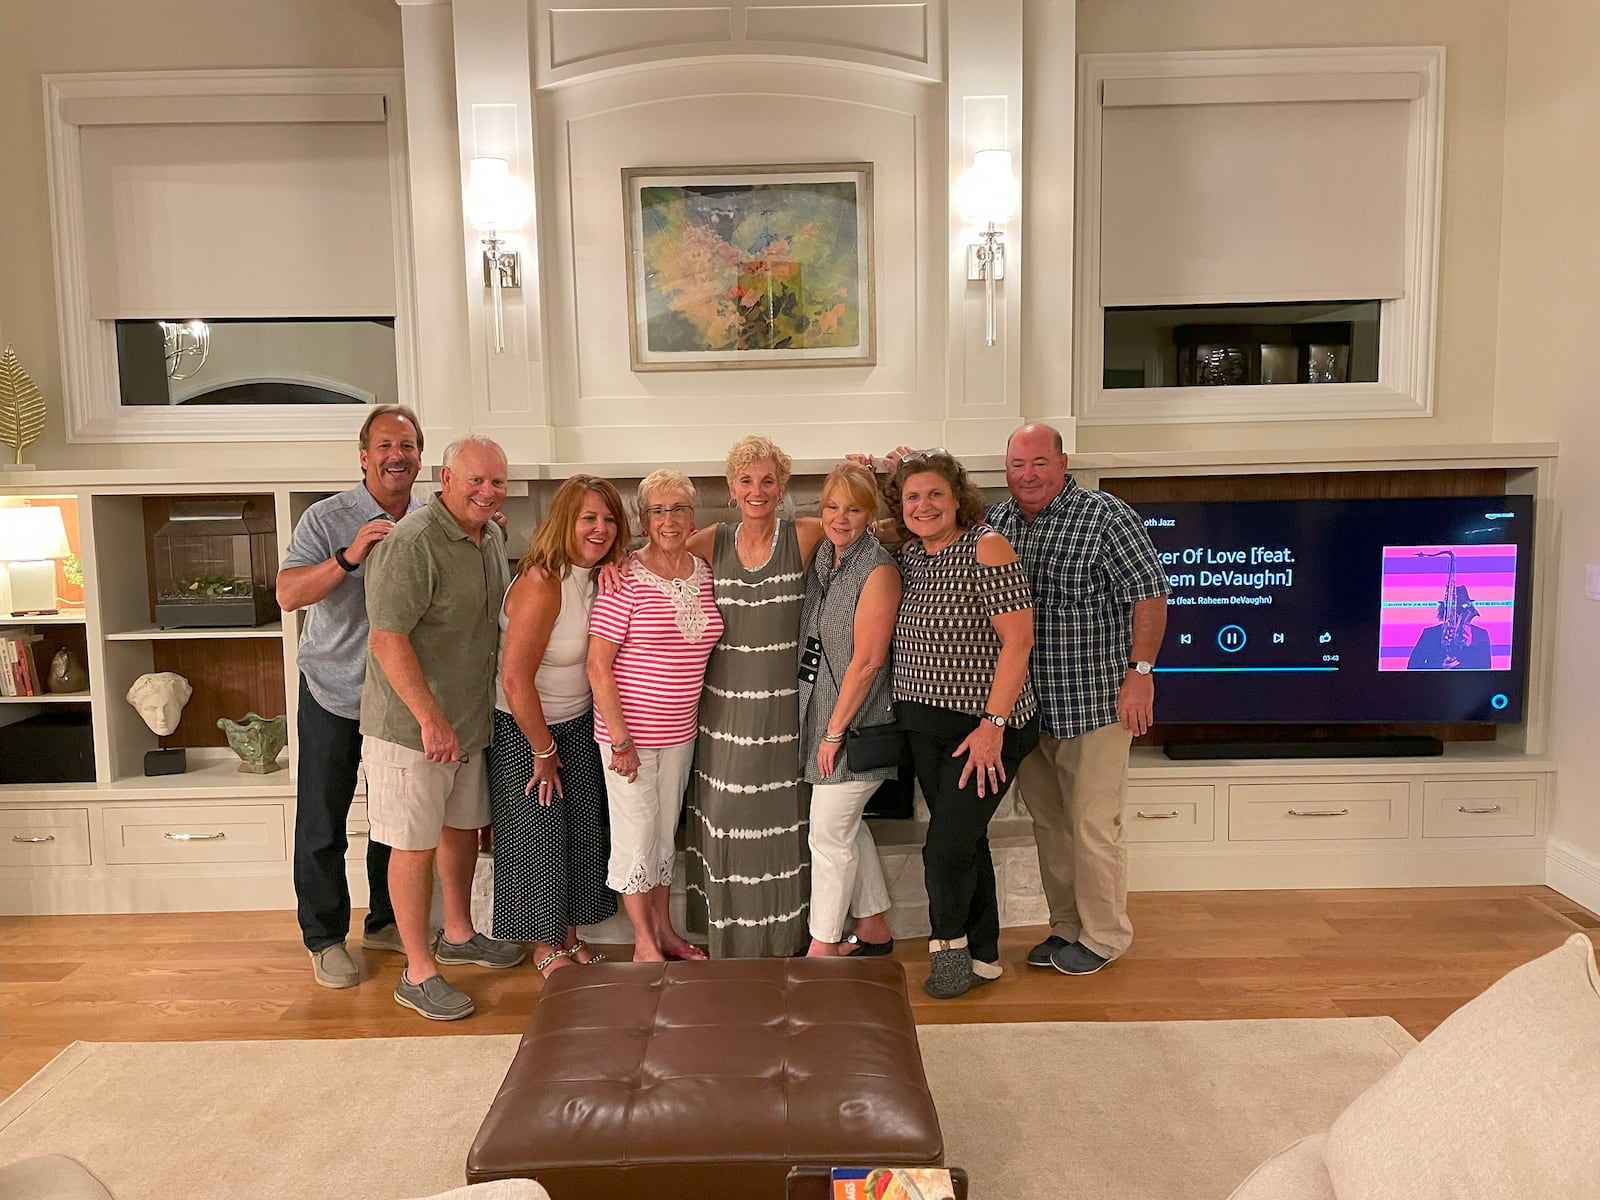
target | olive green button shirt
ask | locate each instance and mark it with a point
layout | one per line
(429, 581)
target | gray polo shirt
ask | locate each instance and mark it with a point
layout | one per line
(333, 641)
(429, 581)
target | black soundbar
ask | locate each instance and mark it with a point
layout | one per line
(1367, 747)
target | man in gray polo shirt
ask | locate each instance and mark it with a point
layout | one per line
(437, 583)
(324, 573)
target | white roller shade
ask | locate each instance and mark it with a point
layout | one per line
(1207, 200)
(230, 220)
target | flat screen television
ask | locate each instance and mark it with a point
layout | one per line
(1344, 611)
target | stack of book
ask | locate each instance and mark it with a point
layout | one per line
(19, 674)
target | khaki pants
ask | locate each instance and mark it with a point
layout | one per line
(1075, 789)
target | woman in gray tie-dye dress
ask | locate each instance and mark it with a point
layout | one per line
(747, 865)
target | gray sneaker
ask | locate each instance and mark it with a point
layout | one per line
(479, 951)
(434, 998)
(334, 968)
(387, 938)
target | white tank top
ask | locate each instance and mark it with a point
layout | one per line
(562, 679)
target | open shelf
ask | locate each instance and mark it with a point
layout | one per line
(48, 698)
(71, 616)
(151, 633)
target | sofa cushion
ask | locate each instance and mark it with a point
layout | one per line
(1502, 1100)
(1296, 1172)
(50, 1177)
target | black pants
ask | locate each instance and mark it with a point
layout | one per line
(330, 752)
(956, 863)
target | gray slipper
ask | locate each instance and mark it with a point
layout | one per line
(949, 973)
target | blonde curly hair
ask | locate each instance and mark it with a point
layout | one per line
(754, 449)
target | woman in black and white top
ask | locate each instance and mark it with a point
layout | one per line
(852, 595)
(961, 688)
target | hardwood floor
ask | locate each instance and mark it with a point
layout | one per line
(1413, 954)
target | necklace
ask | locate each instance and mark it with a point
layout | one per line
(772, 544)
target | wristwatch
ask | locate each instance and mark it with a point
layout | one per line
(1143, 666)
(997, 721)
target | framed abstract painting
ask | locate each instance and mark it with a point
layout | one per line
(759, 266)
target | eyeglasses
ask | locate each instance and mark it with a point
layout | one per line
(677, 510)
(925, 455)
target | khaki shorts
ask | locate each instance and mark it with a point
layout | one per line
(409, 799)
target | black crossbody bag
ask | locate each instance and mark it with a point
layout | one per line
(868, 747)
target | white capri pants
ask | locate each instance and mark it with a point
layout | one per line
(644, 817)
(845, 872)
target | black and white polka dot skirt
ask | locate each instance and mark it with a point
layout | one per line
(549, 859)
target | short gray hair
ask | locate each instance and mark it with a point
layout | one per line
(663, 477)
(453, 450)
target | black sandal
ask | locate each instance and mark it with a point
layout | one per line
(866, 949)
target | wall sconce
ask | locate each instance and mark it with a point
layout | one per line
(187, 345)
(497, 201)
(31, 539)
(986, 195)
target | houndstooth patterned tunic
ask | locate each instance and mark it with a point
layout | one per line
(945, 647)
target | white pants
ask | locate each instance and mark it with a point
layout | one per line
(644, 817)
(845, 871)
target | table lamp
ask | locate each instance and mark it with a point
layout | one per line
(31, 539)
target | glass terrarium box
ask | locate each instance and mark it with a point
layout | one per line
(215, 563)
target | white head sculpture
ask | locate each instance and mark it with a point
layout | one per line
(160, 698)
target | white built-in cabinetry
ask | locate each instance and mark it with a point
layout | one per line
(217, 838)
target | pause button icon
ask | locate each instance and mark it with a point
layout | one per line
(1231, 638)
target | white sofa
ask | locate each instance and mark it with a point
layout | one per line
(1500, 1102)
(58, 1177)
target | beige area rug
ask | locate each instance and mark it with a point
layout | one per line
(1086, 1111)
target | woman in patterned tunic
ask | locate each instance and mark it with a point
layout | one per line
(746, 863)
(852, 595)
(546, 787)
(961, 688)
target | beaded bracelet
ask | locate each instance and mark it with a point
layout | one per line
(548, 752)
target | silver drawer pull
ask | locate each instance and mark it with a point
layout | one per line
(1155, 816)
(195, 837)
(1319, 812)
(33, 841)
(1487, 809)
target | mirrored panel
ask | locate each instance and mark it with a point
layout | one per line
(191, 361)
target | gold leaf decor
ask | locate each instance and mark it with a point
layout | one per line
(21, 405)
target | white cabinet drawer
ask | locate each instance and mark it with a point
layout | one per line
(1289, 811)
(44, 837)
(1170, 813)
(201, 834)
(1480, 808)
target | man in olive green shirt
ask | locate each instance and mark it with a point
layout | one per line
(434, 588)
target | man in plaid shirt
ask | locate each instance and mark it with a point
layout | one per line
(1100, 609)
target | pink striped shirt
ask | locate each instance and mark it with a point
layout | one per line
(665, 630)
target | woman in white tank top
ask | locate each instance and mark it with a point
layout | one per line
(546, 783)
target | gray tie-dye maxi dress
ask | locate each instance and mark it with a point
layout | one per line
(747, 868)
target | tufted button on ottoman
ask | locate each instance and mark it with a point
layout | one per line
(710, 1079)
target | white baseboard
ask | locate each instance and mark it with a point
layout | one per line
(1573, 872)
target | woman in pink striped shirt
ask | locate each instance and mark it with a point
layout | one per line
(649, 641)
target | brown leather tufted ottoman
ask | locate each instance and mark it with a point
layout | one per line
(710, 1079)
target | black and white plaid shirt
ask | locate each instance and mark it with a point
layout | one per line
(1088, 560)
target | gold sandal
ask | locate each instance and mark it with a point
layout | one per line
(579, 944)
(547, 960)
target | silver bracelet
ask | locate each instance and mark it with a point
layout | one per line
(833, 739)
